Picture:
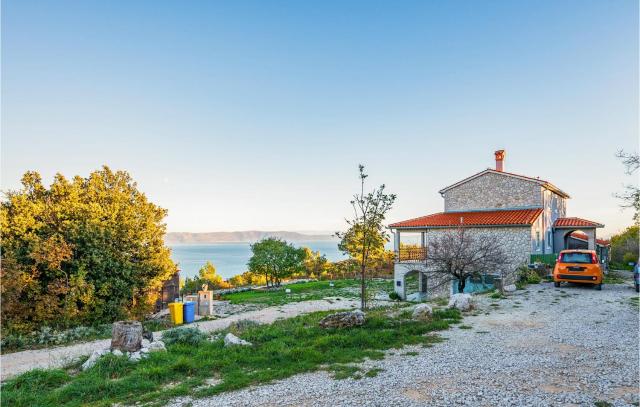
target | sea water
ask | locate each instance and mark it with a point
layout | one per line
(231, 259)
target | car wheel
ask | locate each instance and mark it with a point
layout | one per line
(599, 287)
(557, 283)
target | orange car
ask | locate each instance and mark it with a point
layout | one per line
(578, 266)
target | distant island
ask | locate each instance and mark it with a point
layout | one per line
(241, 236)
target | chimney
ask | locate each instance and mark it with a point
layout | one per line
(500, 160)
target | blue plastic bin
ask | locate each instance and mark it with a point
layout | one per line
(189, 311)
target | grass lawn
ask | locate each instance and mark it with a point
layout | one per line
(280, 350)
(312, 290)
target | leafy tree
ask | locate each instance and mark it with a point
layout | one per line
(237, 281)
(84, 250)
(631, 195)
(208, 276)
(253, 278)
(314, 263)
(275, 260)
(458, 254)
(365, 238)
(625, 244)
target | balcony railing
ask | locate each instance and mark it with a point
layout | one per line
(411, 254)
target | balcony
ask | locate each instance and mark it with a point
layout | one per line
(411, 255)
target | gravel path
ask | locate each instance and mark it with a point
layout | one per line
(19, 362)
(541, 347)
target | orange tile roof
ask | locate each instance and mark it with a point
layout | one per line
(575, 222)
(516, 217)
(583, 236)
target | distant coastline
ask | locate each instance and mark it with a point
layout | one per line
(240, 237)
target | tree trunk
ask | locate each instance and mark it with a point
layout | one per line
(363, 303)
(461, 283)
(126, 336)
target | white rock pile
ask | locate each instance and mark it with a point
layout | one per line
(145, 350)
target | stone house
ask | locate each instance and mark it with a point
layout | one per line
(527, 215)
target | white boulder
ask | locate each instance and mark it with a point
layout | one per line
(232, 340)
(422, 311)
(93, 359)
(460, 301)
(117, 352)
(510, 288)
(135, 356)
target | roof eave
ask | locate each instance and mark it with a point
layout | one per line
(579, 227)
(463, 225)
(557, 190)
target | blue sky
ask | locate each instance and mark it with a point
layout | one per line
(254, 115)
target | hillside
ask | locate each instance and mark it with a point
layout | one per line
(241, 236)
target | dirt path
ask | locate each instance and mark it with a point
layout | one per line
(19, 362)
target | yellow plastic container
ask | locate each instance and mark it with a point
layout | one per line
(175, 309)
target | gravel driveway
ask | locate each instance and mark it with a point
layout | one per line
(543, 346)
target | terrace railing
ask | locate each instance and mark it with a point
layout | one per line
(411, 254)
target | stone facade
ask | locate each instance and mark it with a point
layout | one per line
(493, 191)
(490, 190)
(434, 286)
(515, 242)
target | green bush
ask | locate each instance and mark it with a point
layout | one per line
(185, 336)
(629, 258)
(527, 276)
(394, 296)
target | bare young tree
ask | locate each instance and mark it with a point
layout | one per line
(458, 254)
(631, 194)
(364, 240)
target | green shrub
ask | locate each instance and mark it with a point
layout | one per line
(185, 336)
(527, 276)
(629, 258)
(394, 296)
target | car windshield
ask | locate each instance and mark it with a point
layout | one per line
(576, 257)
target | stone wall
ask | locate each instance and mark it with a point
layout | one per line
(493, 191)
(436, 285)
(515, 242)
